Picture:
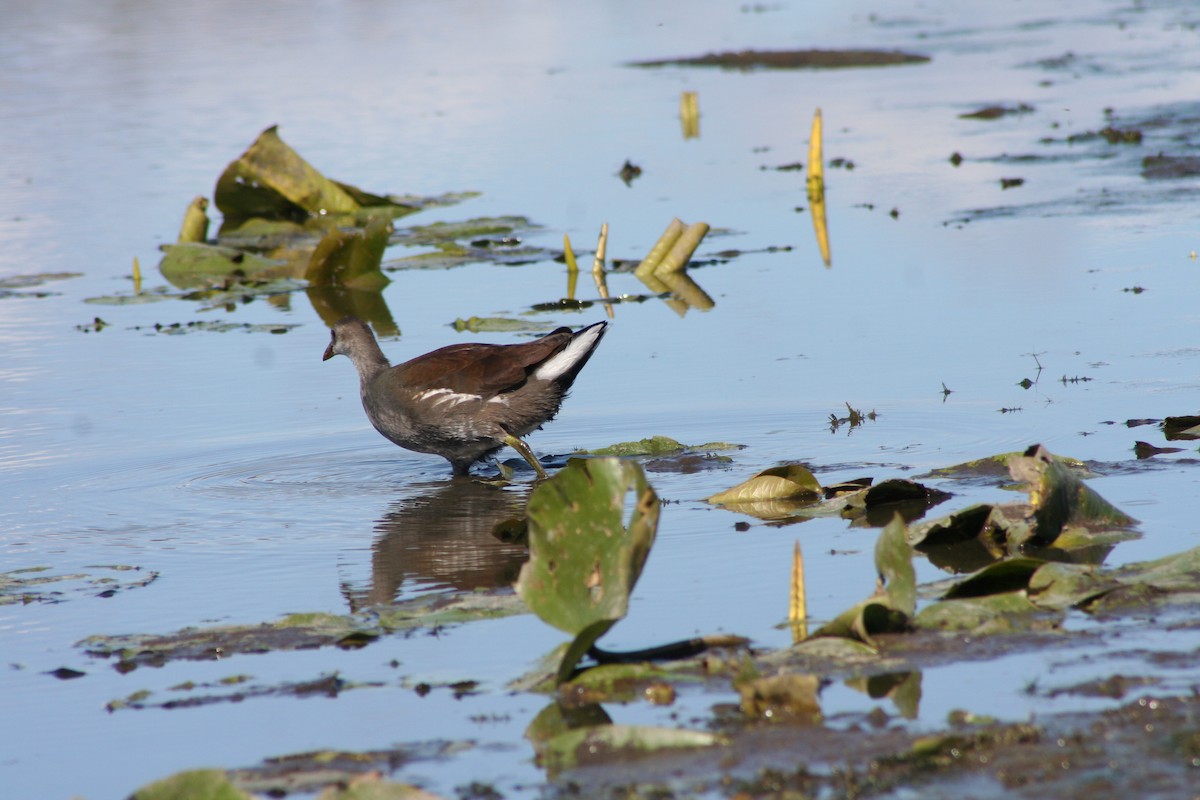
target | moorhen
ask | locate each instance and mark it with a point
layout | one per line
(466, 401)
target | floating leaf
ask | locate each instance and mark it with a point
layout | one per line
(891, 608)
(302, 631)
(1181, 428)
(658, 446)
(198, 265)
(617, 743)
(498, 325)
(199, 784)
(584, 555)
(1063, 586)
(439, 233)
(792, 59)
(993, 468)
(37, 279)
(271, 180)
(996, 613)
(1009, 575)
(373, 787)
(1059, 498)
(790, 482)
(40, 585)
(875, 504)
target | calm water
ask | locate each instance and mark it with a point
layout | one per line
(239, 467)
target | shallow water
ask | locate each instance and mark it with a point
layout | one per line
(238, 467)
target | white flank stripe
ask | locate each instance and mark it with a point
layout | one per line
(441, 396)
(577, 349)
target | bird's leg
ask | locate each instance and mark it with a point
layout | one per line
(526, 453)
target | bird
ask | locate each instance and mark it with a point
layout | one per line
(465, 401)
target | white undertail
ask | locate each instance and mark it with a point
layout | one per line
(580, 346)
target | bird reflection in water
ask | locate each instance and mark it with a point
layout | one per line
(442, 540)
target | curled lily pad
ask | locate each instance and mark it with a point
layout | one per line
(585, 553)
(351, 258)
(892, 607)
(1009, 575)
(271, 180)
(1059, 498)
(790, 482)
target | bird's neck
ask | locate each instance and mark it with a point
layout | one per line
(370, 362)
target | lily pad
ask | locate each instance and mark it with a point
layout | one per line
(1010, 575)
(1181, 428)
(585, 555)
(41, 585)
(792, 59)
(790, 482)
(994, 613)
(193, 265)
(891, 608)
(995, 468)
(1059, 498)
(498, 325)
(271, 180)
(199, 784)
(610, 743)
(466, 230)
(659, 446)
(302, 631)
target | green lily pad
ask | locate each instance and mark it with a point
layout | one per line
(372, 787)
(1059, 498)
(498, 325)
(610, 743)
(659, 446)
(585, 556)
(1009, 575)
(302, 631)
(41, 585)
(1063, 586)
(192, 265)
(892, 607)
(994, 613)
(271, 180)
(992, 468)
(35, 279)
(445, 232)
(198, 784)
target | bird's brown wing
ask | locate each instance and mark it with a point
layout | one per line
(482, 369)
